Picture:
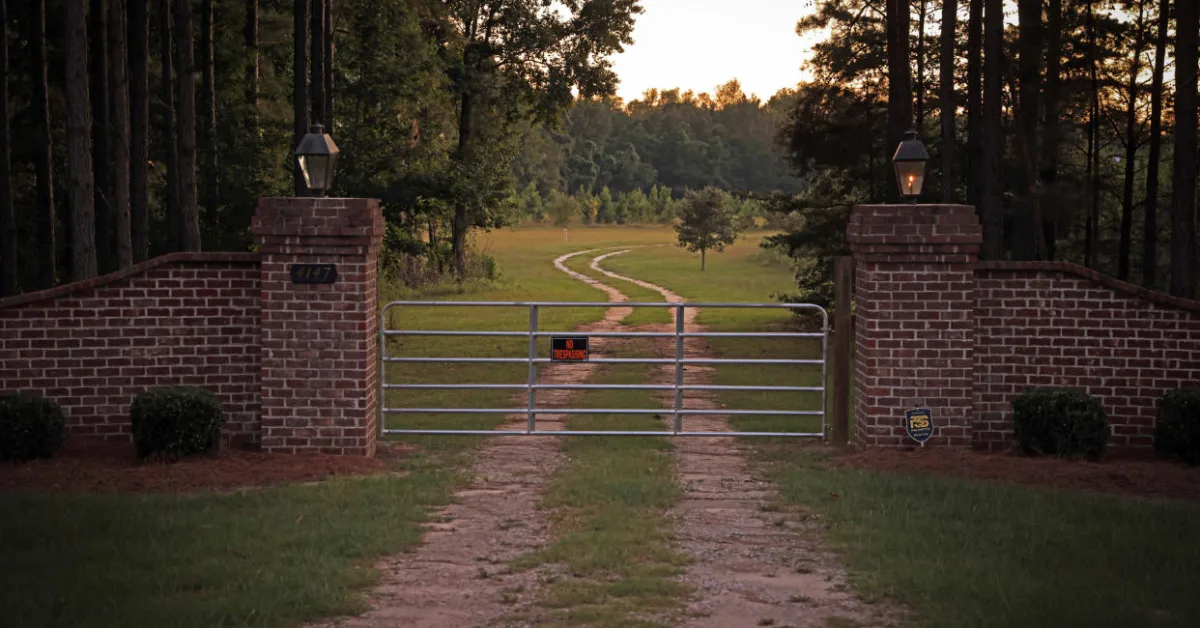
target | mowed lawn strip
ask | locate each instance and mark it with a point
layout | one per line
(956, 552)
(616, 556)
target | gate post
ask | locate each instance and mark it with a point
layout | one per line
(914, 329)
(320, 321)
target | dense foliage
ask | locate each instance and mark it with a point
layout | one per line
(1085, 168)
(1060, 421)
(175, 421)
(1177, 431)
(30, 427)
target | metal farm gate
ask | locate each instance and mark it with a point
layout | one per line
(562, 341)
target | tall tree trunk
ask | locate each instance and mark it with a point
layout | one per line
(79, 143)
(919, 115)
(102, 148)
(139, 119)
(299, 87)
(208, 100)
(900, 108)
(329, 64)
(460, 224)
(949, 134)
(251, 35)
(1150, 226)
(174, 221)
(44, 160)
(185, 79)
(1050, 129)
(316, 59)
(1091, 252)
(1183, 206)
(974, 102)
(1029, 70)
(991, 211)
(1131, 146)
(119, 117)
(8, 222)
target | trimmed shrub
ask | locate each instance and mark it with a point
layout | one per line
(30, 427)
(1177, 432)
(1060, 421)
(176, 421)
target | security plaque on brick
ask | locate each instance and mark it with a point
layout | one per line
(918, 422)
(569, 348)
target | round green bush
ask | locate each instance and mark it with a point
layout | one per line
(1060, 421)
(1177, 432)
(176, 421)
(30, 427)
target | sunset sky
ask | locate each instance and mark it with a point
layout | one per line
(699, 44)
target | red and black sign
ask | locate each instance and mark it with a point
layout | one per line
(569, 349)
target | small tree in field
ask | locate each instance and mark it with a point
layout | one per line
(706, 222)
(560, 209)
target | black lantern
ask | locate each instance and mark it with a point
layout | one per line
(910, 161)
(317, 155)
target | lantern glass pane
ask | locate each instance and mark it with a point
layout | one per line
(911, 177)
(316, 169)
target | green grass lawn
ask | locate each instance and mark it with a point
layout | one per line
(269, 557)
(969, 553)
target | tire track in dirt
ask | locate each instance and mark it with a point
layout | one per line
(457, 576)
(750, 567)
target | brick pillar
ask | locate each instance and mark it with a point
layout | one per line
(319, 340)
(914, 334)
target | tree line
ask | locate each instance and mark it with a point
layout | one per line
(133, 128)
(1073, 131)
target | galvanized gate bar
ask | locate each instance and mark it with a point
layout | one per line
(457, 359)
(604, 387)
(606, 334)
(533, 334)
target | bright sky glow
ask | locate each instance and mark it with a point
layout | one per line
(700, 44)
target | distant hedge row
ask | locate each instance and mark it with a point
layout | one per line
(169, 422)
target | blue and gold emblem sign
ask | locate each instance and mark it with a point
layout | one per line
(919, 424)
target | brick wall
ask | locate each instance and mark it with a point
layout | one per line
(934, 327)
(1058, 324)
(184, 318)
(913, 327)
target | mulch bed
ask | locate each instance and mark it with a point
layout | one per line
(1129, 475)
(113, 467)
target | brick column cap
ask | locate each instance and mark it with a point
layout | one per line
(903, 233)
(318, 217)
